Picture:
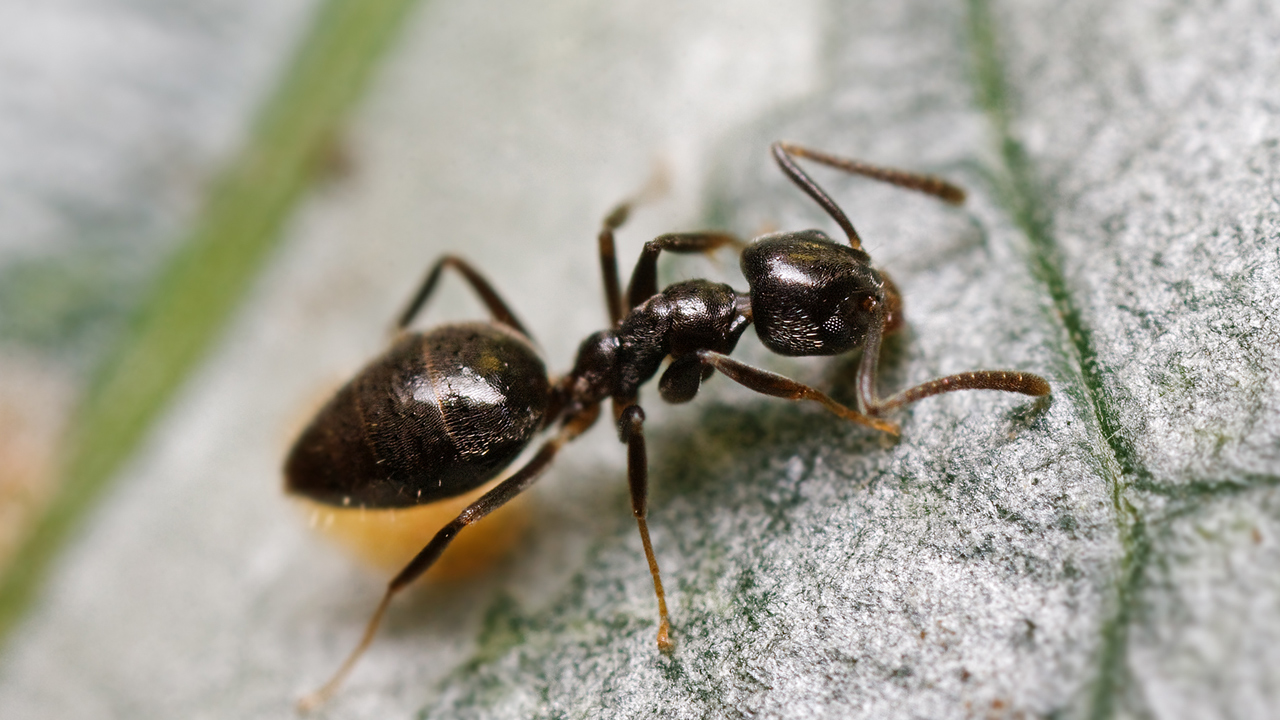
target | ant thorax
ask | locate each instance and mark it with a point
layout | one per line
(682, 319)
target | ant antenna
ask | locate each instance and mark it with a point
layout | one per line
(782, 152)
(785, 152)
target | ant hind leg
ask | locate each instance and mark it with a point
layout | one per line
(497, 308)
(490, 501)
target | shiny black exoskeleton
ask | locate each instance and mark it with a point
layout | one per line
(444, 412)
(437, 415)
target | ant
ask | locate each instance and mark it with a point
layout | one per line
(445, 411)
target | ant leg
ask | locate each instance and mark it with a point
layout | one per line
(501, 313)
(785, 153)
(609, 260)
(656, 185)
(644, 279)
(768, 383)
(631, 430)
(1004, 380)
(490, 501)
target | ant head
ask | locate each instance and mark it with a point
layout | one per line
(812, 296)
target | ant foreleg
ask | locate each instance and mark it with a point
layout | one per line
(631, 430)
(497, 308)
(644, 279)
(769, 383)
(490, 501)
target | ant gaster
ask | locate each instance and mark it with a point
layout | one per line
(445, 411)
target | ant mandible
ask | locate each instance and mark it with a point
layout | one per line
(445, 411)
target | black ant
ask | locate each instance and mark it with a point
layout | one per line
(445, 411)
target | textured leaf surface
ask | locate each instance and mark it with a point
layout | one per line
(1110, 552)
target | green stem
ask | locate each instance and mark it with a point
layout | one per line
(199, 290)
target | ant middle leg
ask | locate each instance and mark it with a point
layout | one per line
(631, 430)
(609, 260)
(497, 308)
(657, 185)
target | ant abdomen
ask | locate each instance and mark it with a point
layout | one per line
(809, 295)
(437, 415)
